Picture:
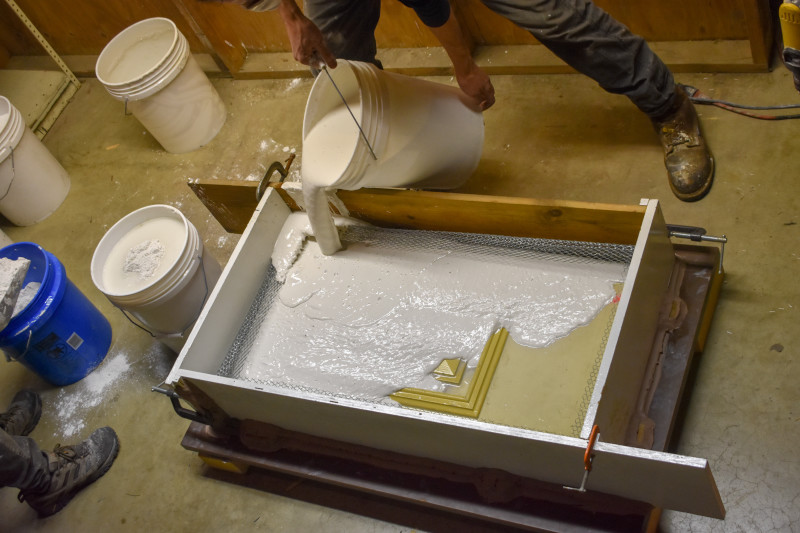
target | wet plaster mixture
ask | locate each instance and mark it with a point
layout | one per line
(374, 318)
(557, 136)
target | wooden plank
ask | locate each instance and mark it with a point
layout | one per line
(760, 30)
(407, 480)
(680, 56)
(232, 204)
(84, 27)
(5, 55)
(664, 480)
(498, 215)
(224, 63)
(234, 32)
(399, 27)
(83, 65)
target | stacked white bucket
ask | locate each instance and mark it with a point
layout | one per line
(32, 182)
(150, 68)
(168, 303)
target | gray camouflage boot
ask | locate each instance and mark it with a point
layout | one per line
(71, 469)
(23, 414)
(690, 166)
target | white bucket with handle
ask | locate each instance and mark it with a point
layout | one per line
(152, 265)
(149, 67)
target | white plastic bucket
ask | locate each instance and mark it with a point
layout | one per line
(149, 66)
(423, 135)
(168, 301)
(33, 184)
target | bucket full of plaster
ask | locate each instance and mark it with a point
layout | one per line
(33, 184)
(413, 133)
(149, 67)
(55, 330)
(153, 266)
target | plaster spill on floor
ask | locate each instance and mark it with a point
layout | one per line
(74, 402)
(293, 84)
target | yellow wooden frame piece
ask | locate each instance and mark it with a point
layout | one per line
(469, 404)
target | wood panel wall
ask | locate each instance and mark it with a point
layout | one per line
(84, 27)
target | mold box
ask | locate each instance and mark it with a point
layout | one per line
(623, 378)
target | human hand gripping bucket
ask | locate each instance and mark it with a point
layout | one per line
(153, 266)
(59, 334)
(150, 68)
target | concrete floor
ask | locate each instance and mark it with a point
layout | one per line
(557, 137)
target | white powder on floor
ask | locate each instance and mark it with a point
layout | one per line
(26, 296)
(370, 320)
(144, 259)
(74, 402)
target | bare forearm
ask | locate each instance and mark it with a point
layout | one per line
(308, 45)
(454, 43)
(471, 78)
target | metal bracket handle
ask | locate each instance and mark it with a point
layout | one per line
(588, 459)
(696, 234)
(274, 167)
(180, 410)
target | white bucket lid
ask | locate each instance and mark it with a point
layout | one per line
(12, 127)
(142, 59)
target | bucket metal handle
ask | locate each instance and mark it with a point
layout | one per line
(171, 335)
(13, 171)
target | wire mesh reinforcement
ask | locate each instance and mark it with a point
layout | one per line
(469, 245)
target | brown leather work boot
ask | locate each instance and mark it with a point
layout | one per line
(689, 163)
(72, 468)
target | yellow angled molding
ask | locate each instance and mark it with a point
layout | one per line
(469, 404)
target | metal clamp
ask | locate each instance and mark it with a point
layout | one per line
(274, 167)
(588, 459)
(180, 410)
(696, 234)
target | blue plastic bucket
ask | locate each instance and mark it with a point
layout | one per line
(60, 334)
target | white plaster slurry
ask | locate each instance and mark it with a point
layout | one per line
(373, 319)
(135, 261)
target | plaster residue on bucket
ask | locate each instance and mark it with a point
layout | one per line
(143, 254)
(374, 319)
(26, 296)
